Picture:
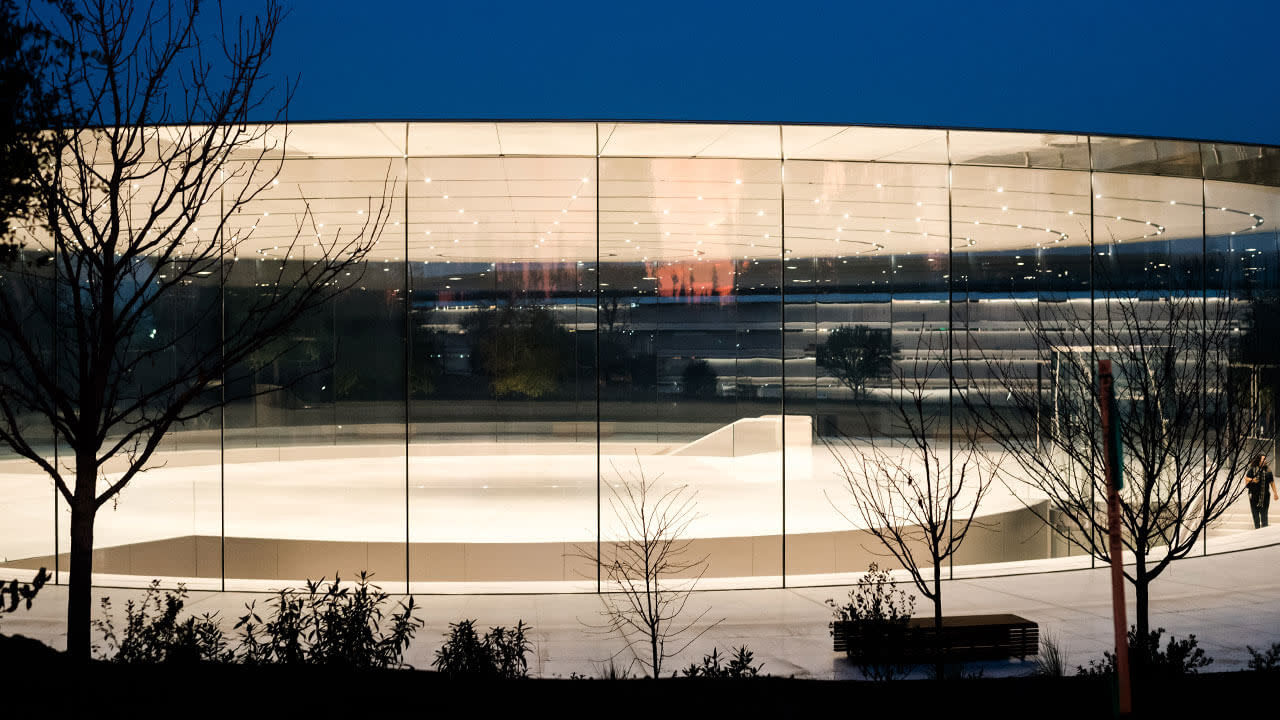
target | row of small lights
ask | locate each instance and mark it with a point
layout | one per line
(1256, 221)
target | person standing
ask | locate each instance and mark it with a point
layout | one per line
(1262, 487)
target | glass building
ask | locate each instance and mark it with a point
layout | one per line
(553, 305)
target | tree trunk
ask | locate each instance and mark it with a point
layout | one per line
(653, 648)
(938, 645)
(1141, 590)
(80, 591)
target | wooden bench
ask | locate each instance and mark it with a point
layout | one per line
(965, 638)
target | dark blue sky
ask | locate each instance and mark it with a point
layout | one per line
(1206, 70)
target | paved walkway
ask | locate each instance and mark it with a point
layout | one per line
(1228, 600)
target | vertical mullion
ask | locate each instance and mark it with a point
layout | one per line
(782, 295)
(599, 184)
(223, 275)
(951, 563)
(408, 349)
(1093, 337)
(1204, 321)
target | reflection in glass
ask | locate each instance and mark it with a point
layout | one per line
(552, 304)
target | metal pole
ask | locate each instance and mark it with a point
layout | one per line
(1107, 398)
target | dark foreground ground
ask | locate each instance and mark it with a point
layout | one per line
(36, 683)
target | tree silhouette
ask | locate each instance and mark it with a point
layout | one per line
(522, 350)
(699, 380)
(916, 490)
(27, 105)
(649, 572)
(1188, 427)
(854, 355)
(156, 158)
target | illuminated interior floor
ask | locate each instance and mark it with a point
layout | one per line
(463, 492)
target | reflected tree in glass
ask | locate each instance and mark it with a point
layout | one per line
(857, 354)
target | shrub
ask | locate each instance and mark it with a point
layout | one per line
(878, 614)
(501, 653)
(739, 665)
(328, 625)
(1052, 660)
(152, 632)
(611, 670)
(1180, 657)
(1264, 662)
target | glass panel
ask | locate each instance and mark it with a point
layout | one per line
(1149, 301)
(166, 522)
(1242, 163)
(314, 444)
(1032, 150)
(340, 140)
(27, 538)
(1243, 283)
(442, 139)
(690, 254)
(1146, 156)
(502, 463)
(689, 140)
(868, 299)
(870, 144)
(1021, 294)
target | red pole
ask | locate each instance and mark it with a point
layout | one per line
(1107, 399)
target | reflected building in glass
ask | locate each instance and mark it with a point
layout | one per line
(552, 306)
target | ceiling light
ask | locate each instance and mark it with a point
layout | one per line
(1000, 189)
(426, 180)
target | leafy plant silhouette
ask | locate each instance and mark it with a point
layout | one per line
(500, 653)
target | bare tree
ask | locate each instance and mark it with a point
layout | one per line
(1187, 426)
(145, 202)
(649, 571)
(916, 489)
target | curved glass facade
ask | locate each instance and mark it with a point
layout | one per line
(553, 305)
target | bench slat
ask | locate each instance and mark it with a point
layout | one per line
(965, 637)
